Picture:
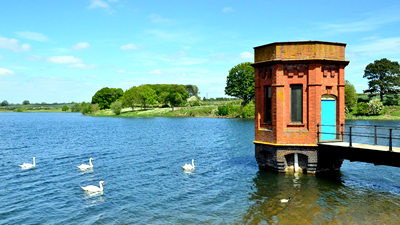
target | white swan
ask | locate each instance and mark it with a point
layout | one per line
(92, 188)
(28, 165)
(285, 200)
(188, 166)
(85, 167)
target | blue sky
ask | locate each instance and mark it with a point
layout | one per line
(63, 51)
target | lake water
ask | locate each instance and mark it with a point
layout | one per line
(140, 160)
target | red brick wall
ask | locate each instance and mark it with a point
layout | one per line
(317, 76)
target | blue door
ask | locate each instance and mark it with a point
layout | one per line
(328, 117)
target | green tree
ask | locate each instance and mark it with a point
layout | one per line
(105, 96)
(116, 107)
(175, 99)
(4, 103)
(95, 108)
(65, 108)
(131, 97)
(75, 107)
(20, 109)
(350, 95)
(25, 102)
(192, 89)
(240, 82)
(146, 95)
(85, 108)
(163, 98)
(383, 77)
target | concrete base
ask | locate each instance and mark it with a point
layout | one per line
(283, 159)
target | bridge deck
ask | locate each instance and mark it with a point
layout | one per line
(361, 146)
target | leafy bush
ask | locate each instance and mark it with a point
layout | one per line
(362, 108)
(391, 100)
(223, 110)
(65, 108)
(249, 110)
(375, 107)
(194, 103)
(75, 107)
(116, 107)
(21, 109)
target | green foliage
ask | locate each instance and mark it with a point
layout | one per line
(131, 97)
(391, 100)
(375, 107)
(4, 103)
(195, 103)
(75, 107)
(95, 108)
(249, 110)
(21, 109)
(116, 107)
(223, 110)
(146, 95)
(65, 108)
(105, 96)
(25, 102)
(362, 109)
(175, 99)
(350, 95)
(192, 89)
(163, 98)
(383, 77)
(85, 108)
(240, 82)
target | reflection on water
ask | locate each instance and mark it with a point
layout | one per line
(319, 199)
(140, 160)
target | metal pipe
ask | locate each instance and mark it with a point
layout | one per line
(390, 140)
(351, 144)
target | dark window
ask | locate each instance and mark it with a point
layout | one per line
(267, 116)
(296, 103)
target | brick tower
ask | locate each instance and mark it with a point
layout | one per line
(297, 85)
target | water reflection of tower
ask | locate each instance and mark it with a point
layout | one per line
(314, 199)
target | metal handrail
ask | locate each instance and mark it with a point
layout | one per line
(352, 134)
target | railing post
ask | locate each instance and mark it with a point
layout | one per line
(351, 144)
(376, 141)
(341, 131)
(318, 132)
(390, 139)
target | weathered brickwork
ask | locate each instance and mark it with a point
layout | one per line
(319, 68)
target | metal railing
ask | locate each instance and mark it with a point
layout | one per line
(374, 132)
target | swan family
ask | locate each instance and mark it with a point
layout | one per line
(92, 188)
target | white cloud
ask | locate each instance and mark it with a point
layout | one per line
(92, 77)
(64, 60)
(128, 47)
(158, 19)
(98, 4)
(122, 71)
(80, 46)
(155, 72)
(34, 57)
(33, 36)
(13, 44)
(246, 55)
(1, 57)
(6, 72)
(101, 4)
(227, 9)
(83, 66)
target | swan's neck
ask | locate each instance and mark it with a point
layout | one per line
(193, 163)
(101, 186)
(90, 162)
(34, 164)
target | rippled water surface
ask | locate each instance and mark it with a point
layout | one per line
(140, 160)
